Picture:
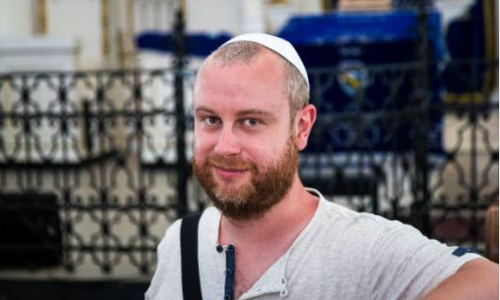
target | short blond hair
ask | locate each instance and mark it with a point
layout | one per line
(294, 87)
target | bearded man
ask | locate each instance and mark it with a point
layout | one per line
(269, 237)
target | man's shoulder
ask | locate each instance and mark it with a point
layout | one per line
(337, 213)
(350, 220)
(172, 234)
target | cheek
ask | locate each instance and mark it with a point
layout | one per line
(267, 150)
(202, 145)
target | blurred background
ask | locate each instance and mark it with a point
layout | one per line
(96, 125)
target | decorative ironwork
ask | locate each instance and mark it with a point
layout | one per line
(94, 139)
(433, 164)
(105, 144)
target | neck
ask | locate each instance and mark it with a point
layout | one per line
(283, 222)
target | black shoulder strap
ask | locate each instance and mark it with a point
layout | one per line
(191, 288)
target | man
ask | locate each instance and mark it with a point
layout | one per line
(268, 236)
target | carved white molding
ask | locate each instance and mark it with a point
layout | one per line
(37, 54)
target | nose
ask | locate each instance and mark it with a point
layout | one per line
(227, 143)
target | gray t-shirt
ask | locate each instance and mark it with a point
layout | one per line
(341, 254)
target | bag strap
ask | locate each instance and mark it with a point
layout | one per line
(191, 288)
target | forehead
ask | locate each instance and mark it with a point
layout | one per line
(246, 85)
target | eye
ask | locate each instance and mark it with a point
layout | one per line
(251, 122)
(211, 121)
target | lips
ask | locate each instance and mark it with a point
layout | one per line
(228, 174)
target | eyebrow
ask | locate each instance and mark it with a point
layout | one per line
(241, 113)
(204, 109)
(255, 112)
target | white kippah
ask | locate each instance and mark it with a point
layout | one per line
(278, 45)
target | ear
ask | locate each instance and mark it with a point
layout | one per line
(304, 122)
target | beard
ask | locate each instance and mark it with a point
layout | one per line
(248, 201)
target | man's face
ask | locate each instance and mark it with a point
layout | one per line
(244, 151)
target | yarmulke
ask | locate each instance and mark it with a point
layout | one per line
(278, 45)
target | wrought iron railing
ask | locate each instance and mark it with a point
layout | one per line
(89, 168)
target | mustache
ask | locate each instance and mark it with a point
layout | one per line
(230, 163)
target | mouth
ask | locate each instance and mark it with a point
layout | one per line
(228, 174)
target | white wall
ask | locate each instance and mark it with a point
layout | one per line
(16, 18)
(213, 15)
(242, 16)
(308, 7)
(80, 20)
(74, 19)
